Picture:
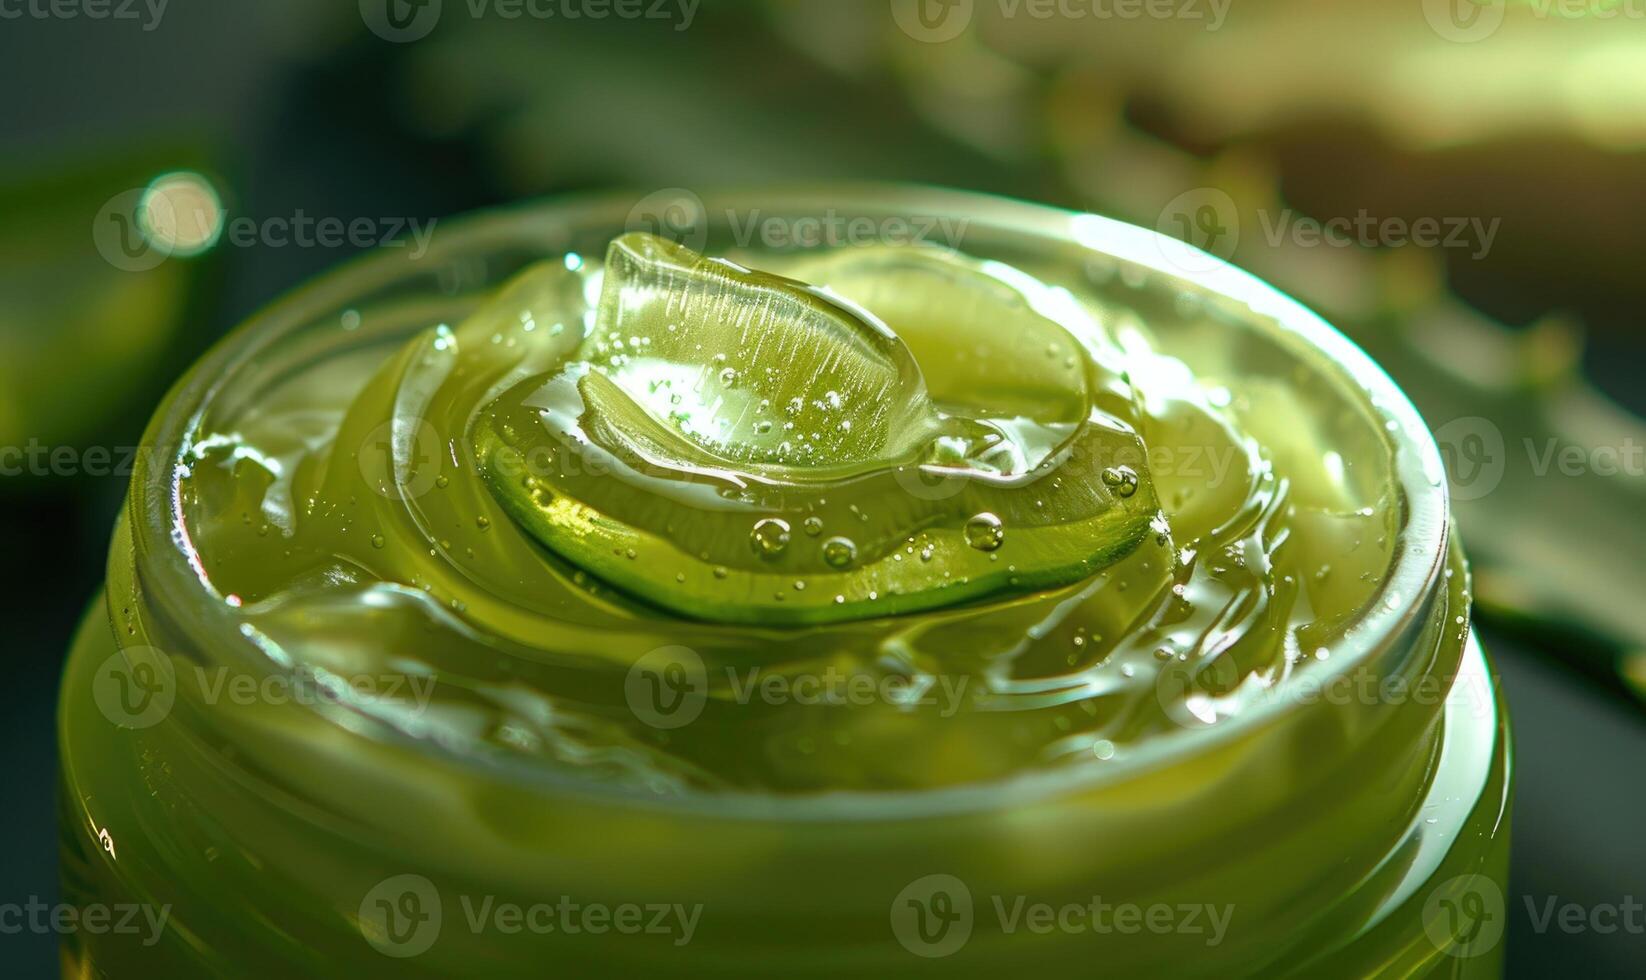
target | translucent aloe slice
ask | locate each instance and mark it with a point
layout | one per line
(753, 367)
(649, 459)
(978, 338)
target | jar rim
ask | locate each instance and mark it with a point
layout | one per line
(171, 567)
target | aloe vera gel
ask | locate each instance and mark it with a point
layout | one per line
(583, 599)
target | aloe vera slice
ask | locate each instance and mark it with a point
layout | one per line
(753, 367)
(650, 459)
(978, 338)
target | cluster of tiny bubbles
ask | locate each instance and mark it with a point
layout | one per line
(769, 537)
(617, 351)
(1121, 479)
(985, 532)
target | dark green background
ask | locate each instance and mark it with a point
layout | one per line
(294, 106)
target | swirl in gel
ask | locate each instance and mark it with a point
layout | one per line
(903, 519)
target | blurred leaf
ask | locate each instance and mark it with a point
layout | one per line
(84, 323)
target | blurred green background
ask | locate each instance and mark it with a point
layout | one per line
(1456, 185)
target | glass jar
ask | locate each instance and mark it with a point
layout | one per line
(1352, 823)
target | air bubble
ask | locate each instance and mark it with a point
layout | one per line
(839, 552)
(985, 532)
(769, 537)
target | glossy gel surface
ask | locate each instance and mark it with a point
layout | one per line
(880, 519)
